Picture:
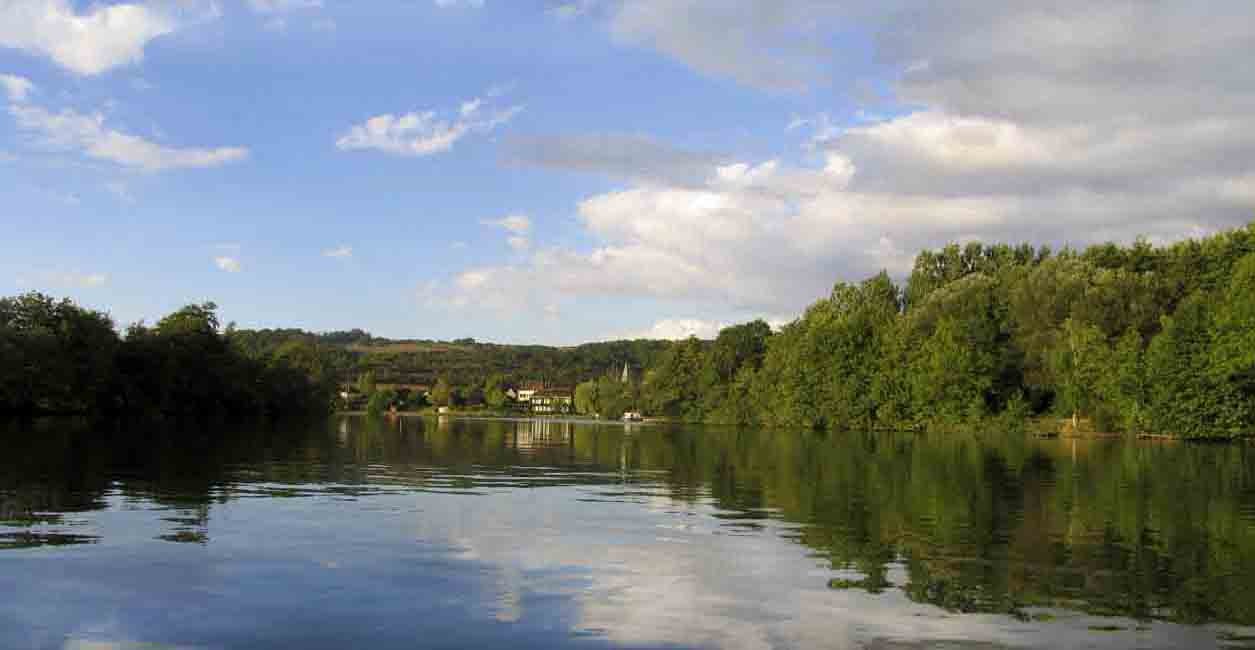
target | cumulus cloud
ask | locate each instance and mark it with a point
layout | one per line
(424, 133)
(676, 329)
(620, 156)
(1073, 124)
(339, 252)
(100, 38)
(16, 88)
(70, 130)
(228, 264)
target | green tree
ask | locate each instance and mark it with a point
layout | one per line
(494, 390)
(961, 366)
(1232, 359)
(615, 397)
(1185, 398)
(586, 398)
(380, 401)
(1078, 361)
(1126, 385)
(672, 388)
(736, 347)
(55, 356)
(366, 383)
(441, 393)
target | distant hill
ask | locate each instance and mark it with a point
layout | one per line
(463, 362)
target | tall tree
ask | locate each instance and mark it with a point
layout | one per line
(494, 390)
(1078, 361)
(442, 393)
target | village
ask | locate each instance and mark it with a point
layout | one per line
(497, 397)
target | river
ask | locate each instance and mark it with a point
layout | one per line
(451, 533)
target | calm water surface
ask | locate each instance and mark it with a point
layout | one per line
(530, 534)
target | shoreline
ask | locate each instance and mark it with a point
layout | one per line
(1030, 430)
(511, 417)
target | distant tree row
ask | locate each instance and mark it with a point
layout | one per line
(464, 363)
(57, 357)
(1136, 339)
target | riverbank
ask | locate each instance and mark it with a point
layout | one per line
(510, 416)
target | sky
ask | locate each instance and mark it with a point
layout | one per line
(561, 171)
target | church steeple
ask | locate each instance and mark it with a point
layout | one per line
(624, 379)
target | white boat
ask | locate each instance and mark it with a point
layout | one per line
(632, 416)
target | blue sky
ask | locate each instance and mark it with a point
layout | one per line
(567, 171)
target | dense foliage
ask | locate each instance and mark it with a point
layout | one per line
(1138, 339)
(465, 364)
(56, 357)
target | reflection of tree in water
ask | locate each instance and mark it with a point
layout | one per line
(58, 467)
(965, 523)
(1147, 530)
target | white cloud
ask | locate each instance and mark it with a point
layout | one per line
(16, 88)
(423, 133)
(282, 6)
(1077, 124)
(339, 252)
(676, 329)
(822, 127)
(104, 36)
(472, 4)
(228, 264)
(518, 224)
(87, 134)
(64, 280)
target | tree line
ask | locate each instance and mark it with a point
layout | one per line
(59, 358)
(1138, 339)
(468, 366)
